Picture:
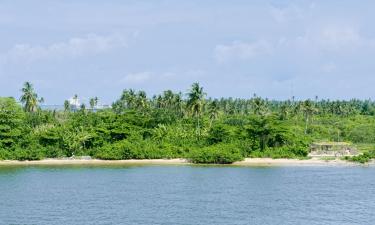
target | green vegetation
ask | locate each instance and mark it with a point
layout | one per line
(362, 158)
(176, 125)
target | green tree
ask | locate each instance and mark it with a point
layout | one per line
(11, 122)
(259, 106)
(93, 102)
(67, 106)
(195, 103)
(265, 131)
(308, 109)
(29, 98)
(213, 111)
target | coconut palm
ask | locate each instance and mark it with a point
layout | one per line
(141, 101)
(195, 103)
(308, 109)
(75, 103)
(213, 111)
(284, 111)
(29, 98)
(178, 103)
(66, 106)
(93, 102)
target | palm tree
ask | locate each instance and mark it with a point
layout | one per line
(195, 103)
(141, 100)
(75, 98)
(29, 98)
(93, 102)
(41, 100)
(75, 102)
(178, 103)
(96, 99)
(66, 106)
(308, 109)
(284, 111)
(213, 111)
(128, 99)
(259, 106)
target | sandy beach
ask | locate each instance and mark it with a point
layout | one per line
(95, 162)
(294, 162)
(246, 162)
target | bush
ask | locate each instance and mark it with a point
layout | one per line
(216, 154)
(32, 153)
(4, 154)
(136, 150)
(217, 134)
(281, 152)
(116, 151)
(53, 152)
(363, 158)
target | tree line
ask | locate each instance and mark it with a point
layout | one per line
(173, 124)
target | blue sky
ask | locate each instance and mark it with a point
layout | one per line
(233, 48)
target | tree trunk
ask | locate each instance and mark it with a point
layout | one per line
(198, 128)
(306, 123)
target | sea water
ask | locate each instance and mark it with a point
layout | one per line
(186, 195)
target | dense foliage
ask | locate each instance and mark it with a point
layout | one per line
(173, 125)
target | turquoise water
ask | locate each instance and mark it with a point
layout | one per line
(187, 195)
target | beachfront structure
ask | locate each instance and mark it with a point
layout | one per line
(334, 149)
(74, 103)
(61, 107)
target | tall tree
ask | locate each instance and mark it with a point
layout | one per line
(195, 103)
(29, 98)
(75, 103)
(11, 122)
(213, 111)
(259, 106)
(66, 106)
(308, 109)
(93, 102)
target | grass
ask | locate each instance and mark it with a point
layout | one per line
(328, 158)
(364, 147)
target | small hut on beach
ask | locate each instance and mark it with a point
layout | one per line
(332, 149)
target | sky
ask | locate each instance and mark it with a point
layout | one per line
(274, 48)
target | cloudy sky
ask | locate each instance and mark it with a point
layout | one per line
(275, 48)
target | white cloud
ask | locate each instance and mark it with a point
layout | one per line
(241, 51)
(155, 77)
(335, 39)
(137, 77)
(74, 47)
(285, 14)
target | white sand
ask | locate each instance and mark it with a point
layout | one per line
(246, 162)
(95, 162)
(293, 162)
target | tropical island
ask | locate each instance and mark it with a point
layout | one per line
(187, 126)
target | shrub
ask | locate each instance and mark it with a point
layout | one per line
(116, 151)
(217, 134)
(136, 150)
(4, 154)
(281, 152)
(216, 154)
(363, 158)
(53, 152)
(31, 153)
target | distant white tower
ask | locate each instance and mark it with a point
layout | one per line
(74, 102)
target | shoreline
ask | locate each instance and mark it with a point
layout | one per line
(297, 162)
(247, 162)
